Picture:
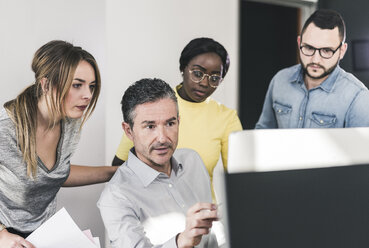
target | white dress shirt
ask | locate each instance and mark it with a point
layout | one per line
(142, 207)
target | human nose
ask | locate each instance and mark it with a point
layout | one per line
(205, 80)
(87, 93)
(316, 56)
(162, 136)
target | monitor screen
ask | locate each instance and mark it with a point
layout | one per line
(320, 208)
(297, 188)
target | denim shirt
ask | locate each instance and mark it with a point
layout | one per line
(340, 101)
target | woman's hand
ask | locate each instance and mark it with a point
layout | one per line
(9, 240)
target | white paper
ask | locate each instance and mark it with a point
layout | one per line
(60, 231)
(97, 242)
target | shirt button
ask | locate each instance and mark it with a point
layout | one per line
(279, 110)
(300, 118)
(170, 185)
(321, 121)
(183, 206)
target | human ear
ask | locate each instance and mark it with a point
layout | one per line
(298, 40)
(343, 50)
(127, 129)
(44, 85)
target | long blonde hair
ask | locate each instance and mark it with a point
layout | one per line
(56, 61)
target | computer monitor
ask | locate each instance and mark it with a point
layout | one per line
(320, 208)
(298, 188)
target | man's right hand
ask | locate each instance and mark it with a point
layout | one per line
(199, 220)
(9, 240)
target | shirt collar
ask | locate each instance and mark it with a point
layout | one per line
(327, 85)
(145, 173)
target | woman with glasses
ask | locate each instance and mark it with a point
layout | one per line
(39, 132)
(204, 123)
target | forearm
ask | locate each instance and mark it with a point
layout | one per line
(86, 175)
(124, 226)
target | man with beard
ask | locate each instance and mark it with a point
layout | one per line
(317, 93)
(160, 196)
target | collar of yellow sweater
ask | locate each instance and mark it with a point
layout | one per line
(188, 103)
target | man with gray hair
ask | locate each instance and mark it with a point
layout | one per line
(160, 197)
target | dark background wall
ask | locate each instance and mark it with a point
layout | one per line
(356, 16)
(268, 35)
(268, 43)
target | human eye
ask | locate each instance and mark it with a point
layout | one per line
(327, 51)
(171, 123)
(215, 78)
(92, 87)
(76, 85)
(197, 73)
(150, 126)
(309, 48)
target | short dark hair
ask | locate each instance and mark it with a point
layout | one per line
(327, 19)
(200, 46)
(144, 91)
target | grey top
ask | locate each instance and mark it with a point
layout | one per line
(142, 207)
(25, 203)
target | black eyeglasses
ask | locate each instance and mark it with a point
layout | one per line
(197, 76)
(325, 52)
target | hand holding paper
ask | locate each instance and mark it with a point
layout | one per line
(61, 231)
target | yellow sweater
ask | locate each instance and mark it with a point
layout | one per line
(204, 127)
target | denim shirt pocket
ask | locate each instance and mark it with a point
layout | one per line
(282, 114)
(320, 120)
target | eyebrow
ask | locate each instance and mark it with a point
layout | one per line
(172, 119)
(204, 69)
(80, 80)
(153, 122)
(148, 122)
(83, 81)
(332, 48)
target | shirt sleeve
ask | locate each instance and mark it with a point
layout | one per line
(122, 223)
(358, 113)
(233, 125)
(267, 118)
(124, 147)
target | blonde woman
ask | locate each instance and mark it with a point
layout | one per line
(39, 131)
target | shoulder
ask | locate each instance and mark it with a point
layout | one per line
(70, 136)
(7, 134)
(220, 109)
(6, 124)
(124, 179)
(288, 74)
(189, 158)
(123, 175)
(4, 115)
(350, 80)
(72, 128)
(226, 117)
(121, 180)
(184, 154)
